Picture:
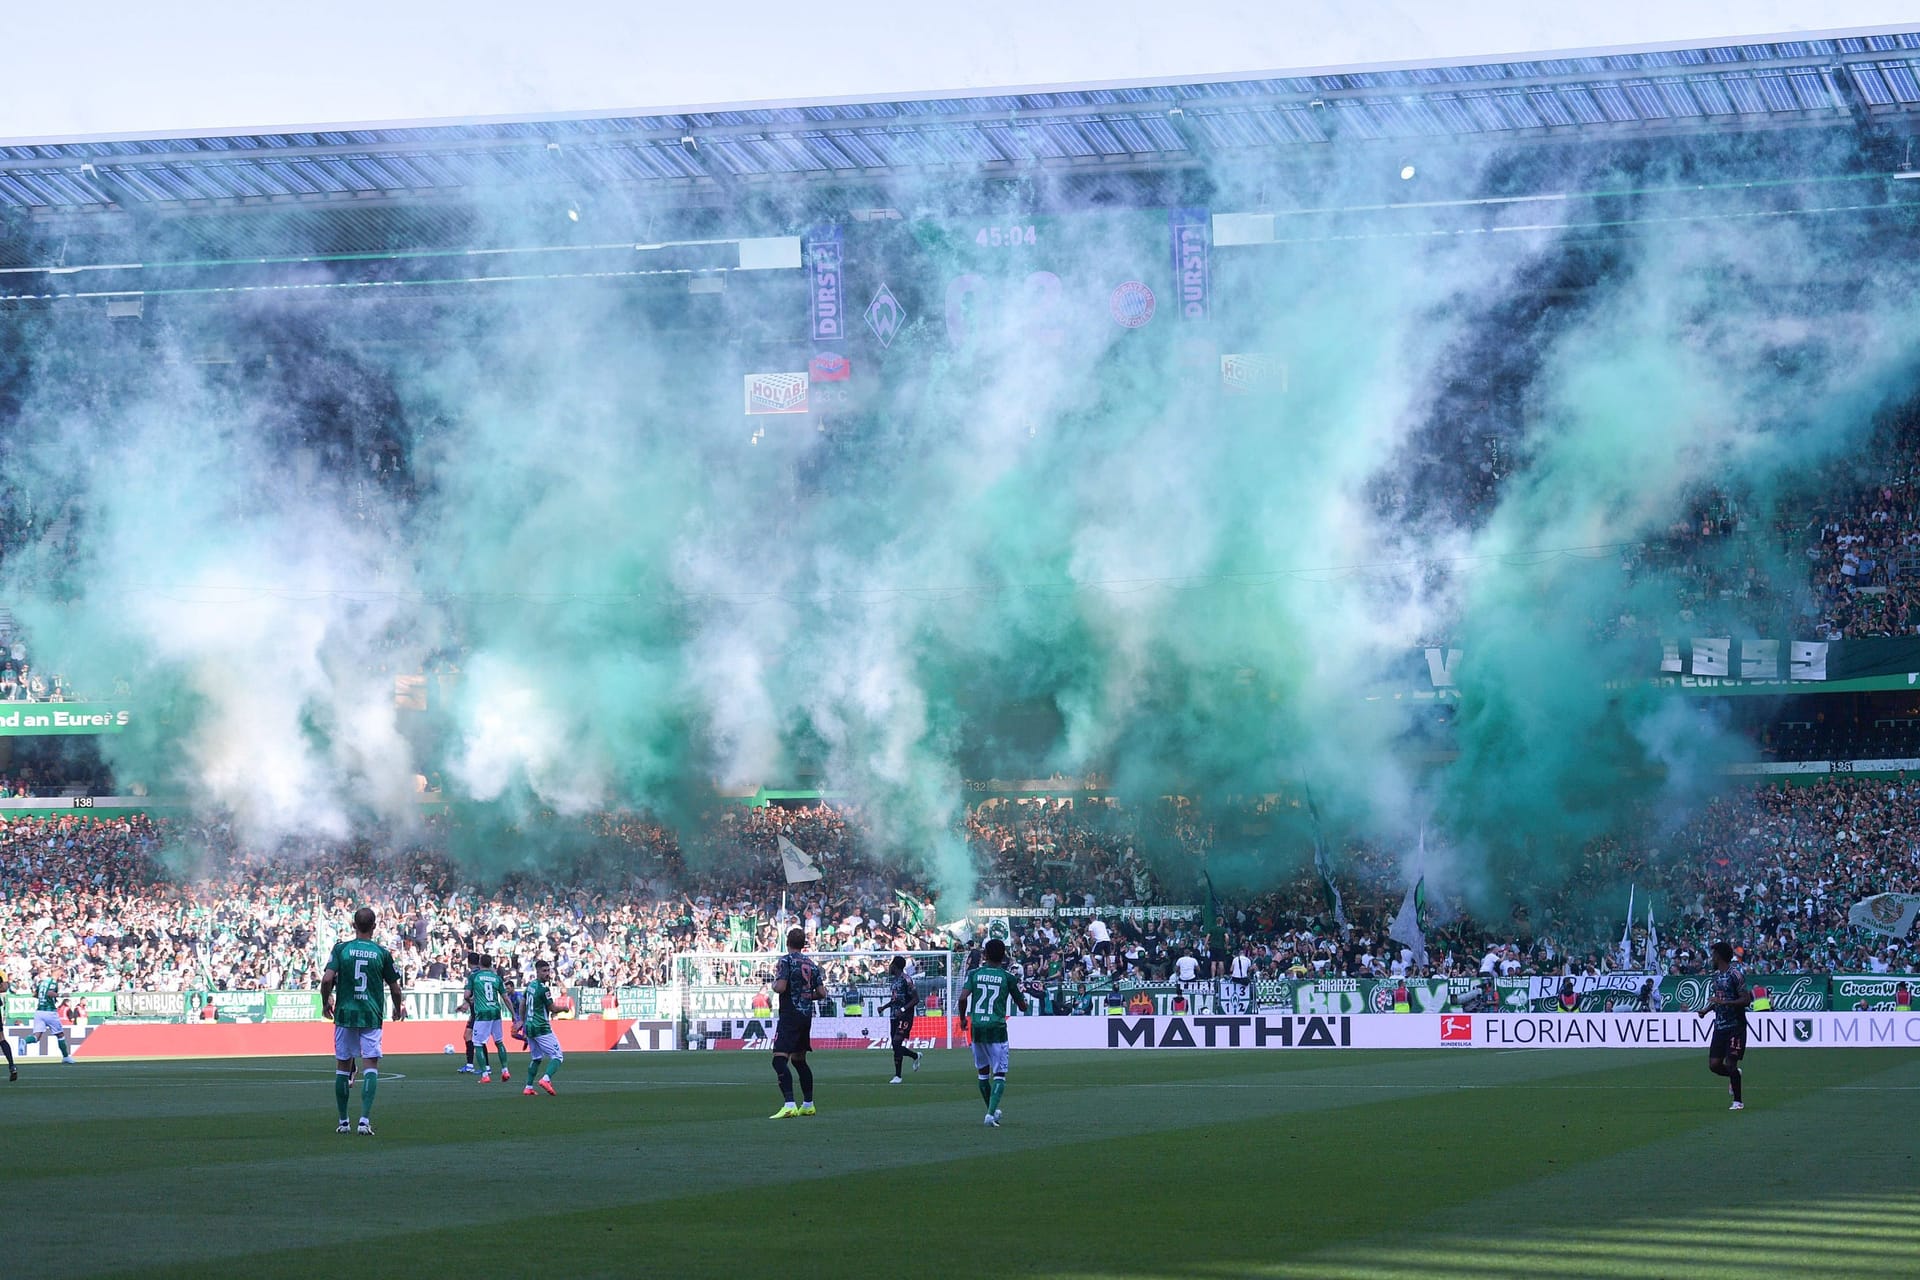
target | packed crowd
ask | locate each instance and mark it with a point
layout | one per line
(1860, 543)
(137, 903)
(20, 680)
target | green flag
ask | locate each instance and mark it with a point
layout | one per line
(1325, 868)
(912, 911)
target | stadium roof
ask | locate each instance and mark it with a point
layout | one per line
(376, 188)
(1786, 82)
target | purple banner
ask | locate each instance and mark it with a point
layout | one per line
(825, 298)
(1192, 241)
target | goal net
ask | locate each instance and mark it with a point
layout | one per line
(728, 995)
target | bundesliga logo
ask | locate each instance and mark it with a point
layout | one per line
(1455, 1028)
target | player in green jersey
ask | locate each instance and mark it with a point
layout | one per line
(536, 1024)
(46, 1015)
(485, 996)
(353, 993)
(984, 1000)
(6, 1045)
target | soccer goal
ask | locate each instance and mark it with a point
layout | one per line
(715, 987)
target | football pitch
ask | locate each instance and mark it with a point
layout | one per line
(1158, 1163)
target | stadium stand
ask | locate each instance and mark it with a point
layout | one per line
(113, 903)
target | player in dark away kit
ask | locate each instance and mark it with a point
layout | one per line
(1728, 998)
(801, 986)
(901, 1003)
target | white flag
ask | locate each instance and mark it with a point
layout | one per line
(797, 863)
(1626, 934)
(1406, 924)
(1653, 943)
(1888, 913)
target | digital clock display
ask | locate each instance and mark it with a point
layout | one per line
(1010, 236)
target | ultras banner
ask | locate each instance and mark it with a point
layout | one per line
(24, 719)
(1708, 665)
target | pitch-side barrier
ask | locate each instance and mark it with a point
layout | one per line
(1460, 1031)
(311, 1039)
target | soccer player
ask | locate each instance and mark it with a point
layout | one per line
(801, 985)
(902, 1003)
(483, 1000)
(1727, 1000)
(466, 1036)
(46, 1015)
(6, 1045)
(984, 1000)
(353, 990)
(536, 1024)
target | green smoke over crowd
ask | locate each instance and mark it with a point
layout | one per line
(1040, 541)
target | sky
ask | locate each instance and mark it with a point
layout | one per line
(121, 67)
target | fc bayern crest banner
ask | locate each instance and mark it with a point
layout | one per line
(1192, 274)
(825, 298)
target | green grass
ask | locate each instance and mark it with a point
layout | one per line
(1127, 1164)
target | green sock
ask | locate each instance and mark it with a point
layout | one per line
(553, 1067)
(64, 1051)
(369, 1081)
(533, 1069)
(986, 1093)
(993, 1100)
(482, 1051)
(342, 1090)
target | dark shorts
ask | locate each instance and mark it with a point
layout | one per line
(793, 1034)
(1730, 1044)
(902, 1027)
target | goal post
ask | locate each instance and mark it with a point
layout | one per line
(738, 985)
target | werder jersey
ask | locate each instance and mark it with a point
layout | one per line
(47, 994)
(483, 990)
(987, 995)
(536, 1009)
(361, 969)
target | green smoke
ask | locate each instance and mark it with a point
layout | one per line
(1034, 539)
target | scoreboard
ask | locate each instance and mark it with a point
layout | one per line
(902, 321)
(978, 282)
(898, 300)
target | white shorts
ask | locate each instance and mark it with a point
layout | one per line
(546, 1046)
(485, 1031)
(990, 1057)
(356, 1042)
(47, 1022)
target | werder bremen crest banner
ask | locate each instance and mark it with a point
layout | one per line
(1889, 913)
